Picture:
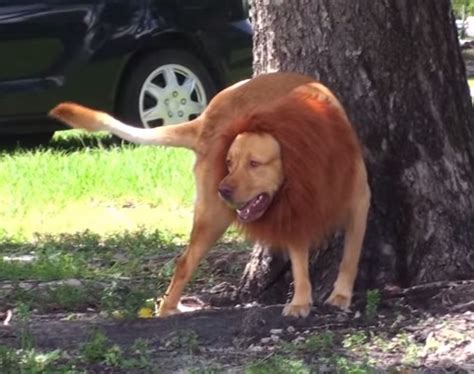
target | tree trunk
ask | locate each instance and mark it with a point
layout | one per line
(397, 68)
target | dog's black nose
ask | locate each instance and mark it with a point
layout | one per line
(226, 192)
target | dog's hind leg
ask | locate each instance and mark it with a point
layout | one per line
(211, 219)
(353, 239)
(302, 300)
(207, 229)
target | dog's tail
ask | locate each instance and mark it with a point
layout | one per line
(182, 135)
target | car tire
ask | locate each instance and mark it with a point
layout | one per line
(164, 88)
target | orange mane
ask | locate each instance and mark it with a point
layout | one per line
(319, 149)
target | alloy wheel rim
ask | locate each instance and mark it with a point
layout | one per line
(171, 94)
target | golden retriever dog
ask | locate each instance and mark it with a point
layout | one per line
(277, 156)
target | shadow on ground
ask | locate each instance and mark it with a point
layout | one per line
(65, 142)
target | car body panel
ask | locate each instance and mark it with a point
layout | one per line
(80, 50)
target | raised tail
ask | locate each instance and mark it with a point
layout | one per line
(182, 135)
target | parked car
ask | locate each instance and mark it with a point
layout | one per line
(149, 62)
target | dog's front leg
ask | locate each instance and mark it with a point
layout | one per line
(211, 219)
(302, 300)
(355, 228)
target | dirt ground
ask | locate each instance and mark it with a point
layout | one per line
(427, 328)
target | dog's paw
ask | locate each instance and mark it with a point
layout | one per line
(340, 299)
(292, 310)
(165, 312)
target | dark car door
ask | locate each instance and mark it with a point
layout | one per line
(39, 42)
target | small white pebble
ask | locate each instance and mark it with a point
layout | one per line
(357, 315)
(469, 349)
(298, 339)
(291, 329)
(275, 338)
(276, 331)
(265, 340)
(255, 348)
(250, 305)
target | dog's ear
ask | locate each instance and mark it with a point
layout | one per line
(77, 116)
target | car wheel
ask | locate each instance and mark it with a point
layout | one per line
(165, 88)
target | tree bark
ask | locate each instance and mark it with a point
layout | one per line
(397, 67)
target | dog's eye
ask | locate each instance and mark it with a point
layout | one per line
(254, 164)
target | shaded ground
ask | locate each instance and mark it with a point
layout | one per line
(426, 328)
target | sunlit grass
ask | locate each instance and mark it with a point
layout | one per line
(73, 186)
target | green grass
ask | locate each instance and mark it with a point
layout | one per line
(324, 351)
(373, 303)
(96, 353)
(45, 267)
(278, 364)
(99, 349)
(31, 361)
(116, 272)
(122, 254)
(68, 187)
(90, 209)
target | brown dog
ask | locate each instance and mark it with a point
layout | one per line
(280, 152)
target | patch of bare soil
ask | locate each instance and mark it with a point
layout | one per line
(427, 328)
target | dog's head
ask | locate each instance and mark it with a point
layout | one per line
(255, 173)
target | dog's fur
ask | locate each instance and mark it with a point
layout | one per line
(283, 138)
